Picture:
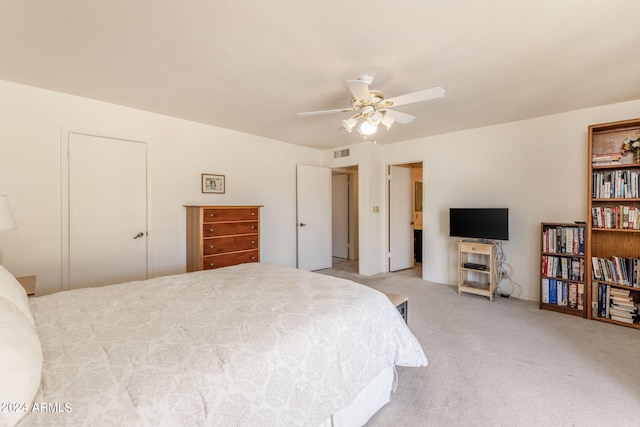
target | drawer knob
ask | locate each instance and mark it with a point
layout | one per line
(210, 214)
(211, 230)
(211, 247)
(253, 213)
(210, 264)
(253, 227)
(253, 241)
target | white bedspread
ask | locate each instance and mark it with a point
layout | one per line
(248, 345)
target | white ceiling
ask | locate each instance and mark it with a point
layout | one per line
(252, 65)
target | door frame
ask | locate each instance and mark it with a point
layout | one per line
(400, 255)
(341, 220)
(385, 179)
(361, 211)
(65, 133)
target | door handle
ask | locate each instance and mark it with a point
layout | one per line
(140, 234)
(302, 224)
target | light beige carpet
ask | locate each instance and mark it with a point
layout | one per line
(507, 363)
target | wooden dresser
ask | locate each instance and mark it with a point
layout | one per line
(219, 236)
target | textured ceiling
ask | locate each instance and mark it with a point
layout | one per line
(252, 65)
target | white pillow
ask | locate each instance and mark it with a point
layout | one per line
(12, 290)
(20, 362)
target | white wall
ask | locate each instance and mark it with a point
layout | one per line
(179, 151)
(537, 168)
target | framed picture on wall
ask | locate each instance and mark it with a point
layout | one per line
(212, 183)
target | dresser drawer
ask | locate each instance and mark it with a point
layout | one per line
(220, 245)
(229, 228)
(219, 236)
(217, 261)
(476, 248)
(236, 214)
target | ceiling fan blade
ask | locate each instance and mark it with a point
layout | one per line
(399, 117)
(359, 89)
(422, 95)
(317, 113)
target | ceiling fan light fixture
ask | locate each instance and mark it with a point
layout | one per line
(349, 123)
(367, 128)
(387, 121)
(369, 108)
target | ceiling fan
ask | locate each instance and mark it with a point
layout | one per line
(372, 108)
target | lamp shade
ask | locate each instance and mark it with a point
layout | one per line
(6, 217)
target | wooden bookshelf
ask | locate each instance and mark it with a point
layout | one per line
(613, 241)
(563, 268)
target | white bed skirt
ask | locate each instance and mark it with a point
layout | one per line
(369, 401)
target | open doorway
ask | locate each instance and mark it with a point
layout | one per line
(344, 207)
(404, 213)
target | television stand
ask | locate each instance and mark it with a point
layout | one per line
(473, 279)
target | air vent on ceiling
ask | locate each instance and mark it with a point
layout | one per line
(341, 153)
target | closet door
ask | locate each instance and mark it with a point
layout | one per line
(107, 210)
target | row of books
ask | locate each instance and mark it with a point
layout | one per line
(621, 271)
(621, 217)
(617, 304)
(563, 267)
(563, 240)
(606, 159)
(615, 184)
(563, 293)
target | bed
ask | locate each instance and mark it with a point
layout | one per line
(250, 345)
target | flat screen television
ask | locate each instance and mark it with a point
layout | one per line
(479, 223)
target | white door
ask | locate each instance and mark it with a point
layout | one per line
(340, 215)
(107, 197)
(314, 217)
(400, 225)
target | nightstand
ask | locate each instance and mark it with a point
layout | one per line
(29, 284)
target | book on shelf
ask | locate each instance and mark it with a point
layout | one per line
(553, 291)
(617, 270)
(603, 305)
(617, 304)
(563, 293)
(614, 184)
(562, 290)
(563, 267)
(595, 268)
(623, 319)
(606, 159)
(564, 239)
(580, 296)
(572, 296)
(577, 269)
(622, 217)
